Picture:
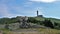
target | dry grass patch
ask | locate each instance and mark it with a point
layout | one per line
(39, 31)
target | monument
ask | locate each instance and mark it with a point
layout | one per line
(38, 14)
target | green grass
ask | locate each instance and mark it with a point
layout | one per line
(52, 19)
(39, 31)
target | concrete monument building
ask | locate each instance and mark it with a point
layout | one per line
(38, 14)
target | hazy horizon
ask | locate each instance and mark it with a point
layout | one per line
(47, 8)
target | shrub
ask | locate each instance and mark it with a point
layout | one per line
(48, 23)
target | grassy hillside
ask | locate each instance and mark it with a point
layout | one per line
(15, 19)
(36, 20)
(37, 31)
(52, 19)
(40, 20)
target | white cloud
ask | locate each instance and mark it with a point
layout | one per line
(4, 10)
(46, 1)
(52, 17)
(27, 4)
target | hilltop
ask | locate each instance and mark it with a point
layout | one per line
(35, 25)
(36, 20)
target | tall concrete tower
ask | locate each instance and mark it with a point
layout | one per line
(37, 13)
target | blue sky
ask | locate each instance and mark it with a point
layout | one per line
(12, 8)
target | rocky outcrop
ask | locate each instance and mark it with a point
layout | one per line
(22, 24)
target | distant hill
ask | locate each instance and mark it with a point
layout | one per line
(15, 19)
(37, 20)
(52, 19)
